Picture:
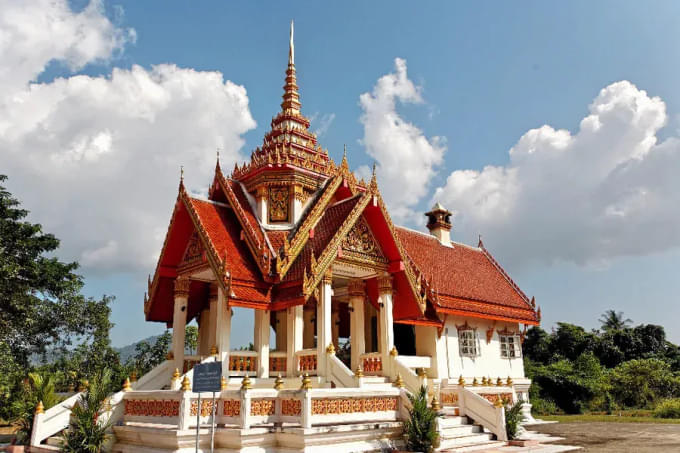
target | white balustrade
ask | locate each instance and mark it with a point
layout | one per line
(242, 363)
(307, 361)
(371, 363)
(482, 411)
(278, 360)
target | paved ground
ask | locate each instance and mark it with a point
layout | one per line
(616, 437)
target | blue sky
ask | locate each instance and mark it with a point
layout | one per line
(488, 73)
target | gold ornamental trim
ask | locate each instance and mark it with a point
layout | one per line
(182, 285)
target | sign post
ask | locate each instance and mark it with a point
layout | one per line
(207, 378)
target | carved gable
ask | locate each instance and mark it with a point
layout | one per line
(194, 254)
(360, 244)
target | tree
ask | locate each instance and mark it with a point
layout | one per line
(41, 306)
(613, 320)
(191, 338)
(149, 356)
(641, 383)
(37, 388)
(536, 345)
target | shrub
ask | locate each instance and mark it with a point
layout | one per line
(36, 388)
(420, 430)
(669, 408)
(641, 383)
(513, 417)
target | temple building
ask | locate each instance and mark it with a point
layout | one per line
(351, 307)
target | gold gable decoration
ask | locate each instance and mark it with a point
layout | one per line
(278, 204)
(361, 244)
(194, 253)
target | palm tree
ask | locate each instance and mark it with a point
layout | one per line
(420, 430)
(613, 320)
(88, 432)
(37, 388)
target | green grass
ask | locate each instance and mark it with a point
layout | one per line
(607, 419)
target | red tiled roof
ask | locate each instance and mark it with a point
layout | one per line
(245, 205)
(466, 279)
(276, 239)
(324, 231)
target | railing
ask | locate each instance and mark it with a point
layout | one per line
(189, 362)
(416, 361)
(371, 363)
(307, 361)
(412, 381)
(339, 373)
(56, 419)
(246, 408)
(242, 363)
(278, 361)
(482, 411)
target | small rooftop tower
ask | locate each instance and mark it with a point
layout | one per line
(439, 224)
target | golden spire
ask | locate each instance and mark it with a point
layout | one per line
(291, 97)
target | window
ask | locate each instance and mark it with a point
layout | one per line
(468, 343)
(510, 346)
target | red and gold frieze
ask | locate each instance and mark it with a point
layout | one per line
(152, 408)
(279, 202)
(231, 408)
(291, 407)
(505, 398)
(329, 406)
(262, 407)
(206, 408)
(360, 244)
(182, 287)
(449, 399)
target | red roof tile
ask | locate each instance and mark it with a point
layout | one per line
(276, 239)
(465, 278)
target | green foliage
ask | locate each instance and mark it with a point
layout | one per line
(191, 338)
(513, 417)
(420, 430)
(614, 320)
(668, 408)
(149, 356)
(87, 432)
(641, 383)
(34, 389)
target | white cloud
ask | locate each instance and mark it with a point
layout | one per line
(321, 123)
(608, 190)
(96, 159)
(406, 159)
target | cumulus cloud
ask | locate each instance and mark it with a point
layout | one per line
(608, 190)
(321, 123)
(96, 159)
(406, 159)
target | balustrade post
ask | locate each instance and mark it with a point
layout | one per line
(245, 408)
(306, 408)
(37, 421)
(184, 410)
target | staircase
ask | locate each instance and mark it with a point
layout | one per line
(460, 434)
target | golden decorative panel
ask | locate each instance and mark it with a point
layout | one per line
(493, 397)
(329, 406)
(291, 407)
(360, 243)
(231, 408)
(449, 399)
(194, 253)
(279, 201)
(152, 408)
(206, 408)
(262, 407)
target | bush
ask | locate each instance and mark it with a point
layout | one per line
(669, 408)
(513, 417)
(420, 430)
(641, 383)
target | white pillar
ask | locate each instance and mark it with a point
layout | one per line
(204, 332)
(261, 200)
(429, 343)
(335, 327)
(179, 320)
(223, 330)
(357, 336)
(308, 329)
(213, 317)
(386, 338)
(323, 321)
(262, 318)
(281, 327)
(294, 330)
(296, 203)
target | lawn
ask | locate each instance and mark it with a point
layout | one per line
(623, 418)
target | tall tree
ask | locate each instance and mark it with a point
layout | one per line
(614, 320)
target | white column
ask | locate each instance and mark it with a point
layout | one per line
(281, 327)
(386, 338)
(179, 320)
(213, 317)
(323, 321)
(262, 318)
(357, 334)
(296, 203)
(204, 332)
(335, 327)
(261, 199)
(429, 343)
(308, 329)
(294, 330)
(223, 327)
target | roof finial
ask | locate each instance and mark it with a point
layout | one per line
(480, 244)
(181, 173)
(291, 49)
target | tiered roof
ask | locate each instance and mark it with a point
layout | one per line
(264, 268)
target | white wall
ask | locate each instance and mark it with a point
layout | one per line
(489, 362)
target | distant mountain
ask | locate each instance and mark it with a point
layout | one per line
(126, 352)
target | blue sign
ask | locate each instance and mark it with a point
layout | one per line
(207, 377)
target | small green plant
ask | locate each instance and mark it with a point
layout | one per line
(669, 408)
(513, 417)
(36, 388)
(420, 430)
(87, 432)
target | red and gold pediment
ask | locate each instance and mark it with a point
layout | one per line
(194, 255)
(360, 245)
